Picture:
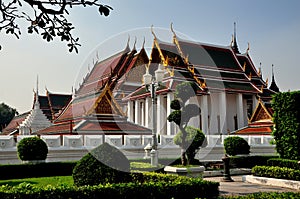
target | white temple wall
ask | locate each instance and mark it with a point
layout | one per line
(214, 114)
(231, 110)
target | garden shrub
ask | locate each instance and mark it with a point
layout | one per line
(249, 161)
(144, 185)
(235, 145)
(194, 139)
(276, 172)
(292, 164)
(18, 171)
(265, 195)
(286, 118)
(32, 148)
(104, 164)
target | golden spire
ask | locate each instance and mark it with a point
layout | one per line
(158, 48)
(244, 66)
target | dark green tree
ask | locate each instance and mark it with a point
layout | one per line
(194, 140)
(183, 112)
(286, 117)
(47, 18)
(6, 115)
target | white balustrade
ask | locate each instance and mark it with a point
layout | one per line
(167, 140)
(73, 141)
(20, 137)
(51, 140)
(214, 140)
(93, 140)
(6, 142)
(146, 139)
(133, 140)
(115, 140)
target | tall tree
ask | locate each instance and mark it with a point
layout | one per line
(6, 115)
(183, 112)
(48, 18)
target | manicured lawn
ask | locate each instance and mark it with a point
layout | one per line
(56, 180)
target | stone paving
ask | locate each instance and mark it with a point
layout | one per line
(238, 187)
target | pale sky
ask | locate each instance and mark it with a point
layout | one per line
(271, 27)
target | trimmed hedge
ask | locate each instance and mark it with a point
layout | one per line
(248, 161)
(104, 164)
(235, 145)
(19, 171)
(268, 195)
(32, 148)
(146, 186)
(292, 164)
(286, 118)
(276, 172)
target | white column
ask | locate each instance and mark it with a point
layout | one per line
(204, 114)
(148, 121)
(130, 111)
(142, 103)
(170, 125)
(137, 112)
(240, 110)
(159, 114)
(222, 108)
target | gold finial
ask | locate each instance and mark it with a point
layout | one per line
(203, 85)
(174, 34)
(134, 43)
(172, 72)
(186, 59)
(267, 82)
(250, 76)
(244, 66)
(143, 43)
(248, 48)
(152, 31)
(262, 88)
(232, 39)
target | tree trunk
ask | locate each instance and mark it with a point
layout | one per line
(183, 157)
(184, 160)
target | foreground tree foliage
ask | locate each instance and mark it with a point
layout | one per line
(286, 118)
(6, 115)
(48, 18)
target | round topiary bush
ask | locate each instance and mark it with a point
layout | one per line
(104, 164)
(32, 148)
(235, 145)
(194, 139)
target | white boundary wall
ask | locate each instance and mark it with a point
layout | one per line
(73, 147)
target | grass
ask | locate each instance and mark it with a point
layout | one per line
(42, 181)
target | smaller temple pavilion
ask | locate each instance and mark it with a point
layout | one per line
(44, 111)
(96, 108)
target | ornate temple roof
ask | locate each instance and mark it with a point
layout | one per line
(94, 109)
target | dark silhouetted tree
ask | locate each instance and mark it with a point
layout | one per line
(48, 18)
(6, 115)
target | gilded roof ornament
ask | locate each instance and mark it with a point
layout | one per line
(248, 48)
(244, 66)
(267, 82)
(143, 45)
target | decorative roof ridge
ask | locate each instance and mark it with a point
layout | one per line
(204, 44)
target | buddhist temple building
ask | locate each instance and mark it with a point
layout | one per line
(48, 105)
(112, 100)
(96, 108)
(229, 85)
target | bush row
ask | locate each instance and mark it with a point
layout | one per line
(269, 195)
(147, 185)
(18, 171)
(292, 164)
(248, 161)
(276, 172)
